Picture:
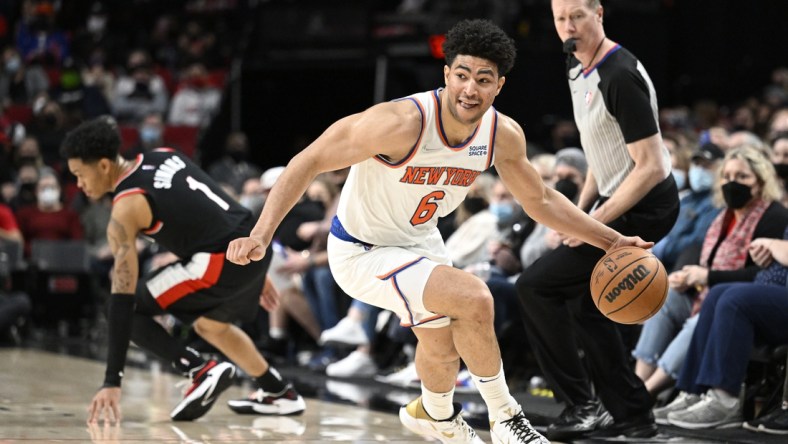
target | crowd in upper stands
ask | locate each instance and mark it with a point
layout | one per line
(62, 64)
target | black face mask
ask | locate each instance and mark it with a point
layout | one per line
(474, 204)
(567, 187)
(736, 195)
(782, 170)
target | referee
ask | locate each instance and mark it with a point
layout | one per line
(629, 188)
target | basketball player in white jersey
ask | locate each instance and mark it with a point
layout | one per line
(412, 162)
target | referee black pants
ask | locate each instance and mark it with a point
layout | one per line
(560, 317)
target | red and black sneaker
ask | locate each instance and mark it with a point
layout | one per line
(208, 383)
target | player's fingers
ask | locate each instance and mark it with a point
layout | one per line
(236, 253)
(92, 413)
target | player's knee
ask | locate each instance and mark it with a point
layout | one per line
(479, 307)
(444, 354)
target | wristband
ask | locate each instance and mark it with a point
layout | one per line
(120, 313)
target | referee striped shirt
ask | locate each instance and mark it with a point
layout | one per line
(614, 104)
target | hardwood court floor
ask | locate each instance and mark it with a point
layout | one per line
(44, 396)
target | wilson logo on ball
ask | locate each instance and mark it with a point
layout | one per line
(628, 282)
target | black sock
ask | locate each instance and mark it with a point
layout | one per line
(271, 381)
(189, 362)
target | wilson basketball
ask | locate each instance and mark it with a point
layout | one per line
(629, 285)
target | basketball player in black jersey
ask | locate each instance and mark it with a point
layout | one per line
(164, 196)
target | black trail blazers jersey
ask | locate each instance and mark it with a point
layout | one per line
(191, 213)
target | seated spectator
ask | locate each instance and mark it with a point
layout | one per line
(139, 92)
(476, 225)
(568, 176)
(151, 132)
(49, 128)
(38, 39)
(747, 184)
(251, 196)
(19, 84)
(697, 209)
(25, 192)
(734, 318)
(48, 218)
(98, 84)
(234, 167)
(196, 100)
(779, 156)
(680, 163)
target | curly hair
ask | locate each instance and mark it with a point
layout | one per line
(480, 38)
(92, 140)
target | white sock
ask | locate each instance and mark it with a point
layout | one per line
(277, 333)
(438, 405)
(495, 392)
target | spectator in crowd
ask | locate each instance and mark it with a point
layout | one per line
(197, 44)
(49, 128)
(680, 163)
(140, 91)
(19, 84)
(48, 219)
(26, 179)
(747, 185)
(734, 318)
(98, 81)
(151, 131)
(95, 35)
(696, 213)
(779, 157)
(476, 225)
(234, 167)
(196, 99)
(38, 39)
(569, 174)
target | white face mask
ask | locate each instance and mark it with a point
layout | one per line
(49, 196)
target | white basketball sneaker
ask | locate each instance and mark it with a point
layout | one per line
(452, 430)
(511, 427)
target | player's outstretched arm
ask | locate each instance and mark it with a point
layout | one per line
(389, 129)
(544, 204)
(129, 215)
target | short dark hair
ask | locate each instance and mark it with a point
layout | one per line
(480, 38)
(93, 140)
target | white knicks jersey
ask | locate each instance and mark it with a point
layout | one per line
(398, 203)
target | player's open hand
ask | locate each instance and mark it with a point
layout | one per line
(106, 406)
(243, 250)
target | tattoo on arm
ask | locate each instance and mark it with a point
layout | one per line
(123, 277)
